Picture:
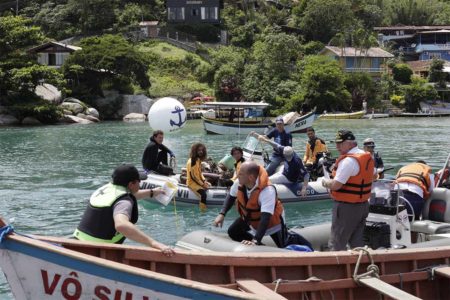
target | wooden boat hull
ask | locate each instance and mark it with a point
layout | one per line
(38, 270)
(293, 275)
(354, 115)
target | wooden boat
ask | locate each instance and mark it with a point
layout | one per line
(246, 117)
(338, 116)
(54, 268)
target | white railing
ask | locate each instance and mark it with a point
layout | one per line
(367, 70)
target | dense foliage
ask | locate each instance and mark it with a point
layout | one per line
(271, 55)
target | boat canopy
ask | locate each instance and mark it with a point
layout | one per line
(235, 104)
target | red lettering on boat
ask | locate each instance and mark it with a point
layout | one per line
(49, 289)
(102, 292)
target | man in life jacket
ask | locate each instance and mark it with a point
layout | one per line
(369, 146)
(112, 212)
(261, 212)
(350, 188)
(313, 147)
(416, 180)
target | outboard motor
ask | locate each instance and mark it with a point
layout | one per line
(387, 225)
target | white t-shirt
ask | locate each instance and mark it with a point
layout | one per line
(266, 200)
(348, 167)
(414, 188)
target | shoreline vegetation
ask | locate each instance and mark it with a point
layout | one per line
(272, 55)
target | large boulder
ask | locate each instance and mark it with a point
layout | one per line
(74, 119)
(75, 108)
(139, 104)
(92, 112)
(31, 121)
(134, 118)
(48, 92)
(8, 120)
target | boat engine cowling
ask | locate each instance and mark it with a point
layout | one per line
(387, 225)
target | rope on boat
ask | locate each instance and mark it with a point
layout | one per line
(372, 269)
(4, 231)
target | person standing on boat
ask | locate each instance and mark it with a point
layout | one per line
(350, 188)
(155, 155)
(293, 170)
(281, 137)
(314, 146)
(112, 211)
(195, 179)
(416, 180)
(369, 146)
(261, 212)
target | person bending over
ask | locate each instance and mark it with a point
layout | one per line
(112, 211)
(260, 211)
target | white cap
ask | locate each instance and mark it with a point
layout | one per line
(288, 153)
(369, 142)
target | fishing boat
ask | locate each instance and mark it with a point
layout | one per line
(45, 267)
(338, 116)
(245, 117)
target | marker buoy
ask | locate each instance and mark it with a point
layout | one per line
(167, 114)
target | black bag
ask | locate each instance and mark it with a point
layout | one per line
(164, 170)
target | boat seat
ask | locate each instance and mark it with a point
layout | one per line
(435, 213)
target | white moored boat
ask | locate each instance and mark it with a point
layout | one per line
(245, 117)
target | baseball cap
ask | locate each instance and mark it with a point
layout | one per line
(279, 120)
(288, 153)
(369, 142)
(126, 173)
(344, 135)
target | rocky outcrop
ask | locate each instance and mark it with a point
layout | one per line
(74, 119)
(139, 104)
(8, 120)
(134, 118)
(48, 92)
(115, 106)
(76, 111)
(30, 121)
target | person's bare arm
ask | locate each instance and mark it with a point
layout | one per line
(132, 232)
(148, 193)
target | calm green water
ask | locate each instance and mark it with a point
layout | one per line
(48, 173)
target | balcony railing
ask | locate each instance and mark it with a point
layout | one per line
(364, 70)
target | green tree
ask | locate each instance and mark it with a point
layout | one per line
(416, 92)
(108, 61)
(322, 19)
(414, 12)
(361, 87)
(402, 73)
(271, 62)
(321, 85)
(436, 73)
(19, 72)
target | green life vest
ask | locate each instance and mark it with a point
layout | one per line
(97, 223)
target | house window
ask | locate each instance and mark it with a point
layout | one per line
(195, 12)
(209, 13)
(52, 59)
(176, 13)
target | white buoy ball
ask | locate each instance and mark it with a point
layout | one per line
(167, 114)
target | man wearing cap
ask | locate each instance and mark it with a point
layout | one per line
(350, 188)
(369, 146)
(293, 170)
(281, 137)
(261, 212)
(112, 211)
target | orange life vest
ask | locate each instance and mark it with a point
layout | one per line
(418, 174)
(249, 208)
(357, 188)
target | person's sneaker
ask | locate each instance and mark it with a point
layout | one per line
(202, 207)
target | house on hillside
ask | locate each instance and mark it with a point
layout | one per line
(194, 11)
(372, 60)
(53, 54)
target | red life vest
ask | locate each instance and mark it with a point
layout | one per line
(357, 189)
(249, 208)
(418, 174)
